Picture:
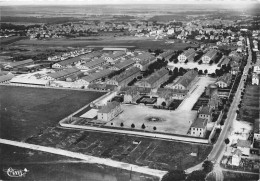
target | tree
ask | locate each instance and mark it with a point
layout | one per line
(154, 128)
(200, 72)
(237, 111)
(197, 175)
(227, 142)
(163, 104)
(122, 124)
(218, 130)
(133, 125)
(143, 126)
(205, 71)
(174, 175)
(200, 62)
(222, 122)
(207, 166)
(224, 116)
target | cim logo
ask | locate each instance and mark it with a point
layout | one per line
(16, 172)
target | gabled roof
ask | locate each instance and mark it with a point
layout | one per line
(156, 76)
(189, 53)
(144, 56)
(225, 78)
(124, 64)
(95, 62)
(205, 110)
(211, 53)
(117, 54)
(110, 106)
(63, 73)
(124, 75)
(69, 61)
(187, 78)
(97, 75)
(199, 123)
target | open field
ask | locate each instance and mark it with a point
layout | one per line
(174, 122)
(26, 111)
(45, 166)
(9, 40)
(140, 43)
(158, 154)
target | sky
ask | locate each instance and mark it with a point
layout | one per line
(93, 2)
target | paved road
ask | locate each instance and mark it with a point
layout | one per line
(219, 148)
(88, 158)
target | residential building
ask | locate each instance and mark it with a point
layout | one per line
(95, 63)
(103, 87)
(91, 78)
(256, 129)
(155, 79)
(224, 81)
(67, 63)
(62, 74)
(125, 77)
(166, 55)
(236, 157)
(109, 111)
(123, 65)
(257, 65)
(187, 55)
(255, 79)
(186, 81)
(210, 55)
(244, 146)
(205, 112)
(144, 56)
(131, 96)
(115, 56)
(198, 127)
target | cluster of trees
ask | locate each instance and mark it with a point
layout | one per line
(173, 74)
(197, 175)
(224, 69)
(14, 27)
(158, 64)
(133, 126)
(115, 73)
(174, 57)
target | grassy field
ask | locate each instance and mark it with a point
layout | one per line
(27, 111)
(158, 154)
(9, 40)
(45, 166)
(133, 41)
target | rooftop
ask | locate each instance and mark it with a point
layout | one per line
(205, 110)
(199, 123)
(110, 106)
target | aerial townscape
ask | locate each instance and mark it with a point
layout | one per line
(139, 92)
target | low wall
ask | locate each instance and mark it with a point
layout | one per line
(145, 134)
